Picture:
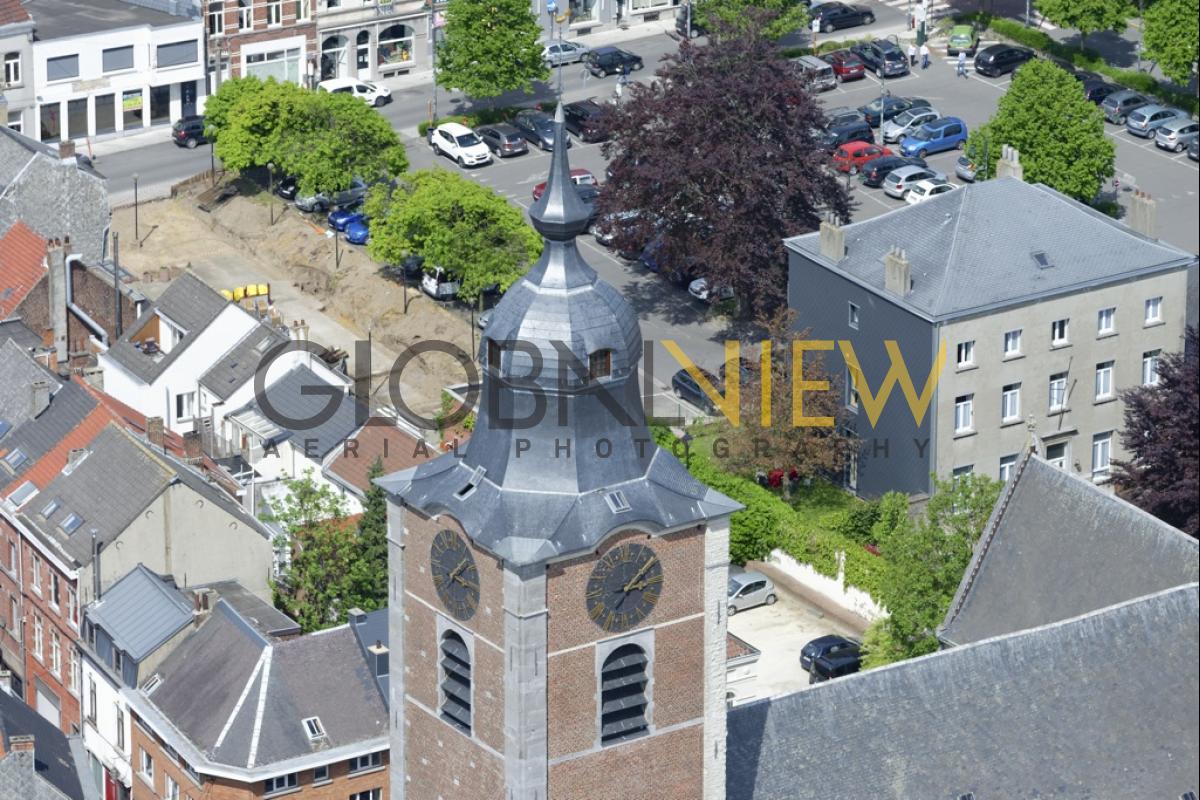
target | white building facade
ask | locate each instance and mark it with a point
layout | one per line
(106, 733)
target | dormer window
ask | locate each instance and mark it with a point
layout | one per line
(493, 354)
(71, 523)
(314, 729)
(600, 365)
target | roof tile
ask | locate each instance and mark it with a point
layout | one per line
(22, 264)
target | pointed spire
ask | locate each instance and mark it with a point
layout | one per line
(560, 214)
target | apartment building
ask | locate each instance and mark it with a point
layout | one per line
(264, 38)
(1044, 309)
(369, 39)
(16, 82)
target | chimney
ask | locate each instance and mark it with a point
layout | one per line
(356, 616)
(1143, 214)
(379, 658)
(39, 397)
(7, 688)
(191, 445)
(897, 275)
(74, 457)
(1010, 163)
(66, 151)
(96, 577)
(22, 748)
(833, 240)
(201, 605)
(154, 430)
(56, 261)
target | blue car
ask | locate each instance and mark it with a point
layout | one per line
(342, 216)
(358, 231)
(944, 133)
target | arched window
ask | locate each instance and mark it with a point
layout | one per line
(623, 701)
(362, 57)
(456, 682)
(395, 46)
(333, 57)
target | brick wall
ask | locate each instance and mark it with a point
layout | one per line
(261, 33)
(663, 767)
(91, 293)
(39, 605)
(12, 647)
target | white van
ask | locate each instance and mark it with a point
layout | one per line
(817, 72)
(370, 93)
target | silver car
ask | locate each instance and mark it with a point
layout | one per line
(904, 123)
(1146, 120)
(1177, 134)
(899, 181)
(323, 202)
(964, 168)
(563, 51)
(750, 589)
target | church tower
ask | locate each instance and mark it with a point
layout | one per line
(557, 591)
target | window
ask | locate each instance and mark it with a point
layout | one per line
(132, 109)
(50, 116)
(321, 773)
(120, 717)
(1007, 465)
(282, 65)
(146, 766)
(274, 12)
(369, 794)
(1056, 455)
(1058, 332)
(55, 654)
(55, 591)
(1153, 310)
(77, 118)
(1012, 343)
(245, 15)
(853, 316)
(964, 415)
(12, 69)
(185, 406)
(62, 68)
(303, 10)
(15, 121)
(280, 783)
(35, 572)
(600, 364)
(73, 677)
(966, 354)
(1150, 367)
(1058, 391)
(216, 18)
(12, 556)
(1101, 455)
(1010, 403)
(456, 682)
(92, 705)
(72, 608)
(395, 45)
(962, 472)
(623, 683)
(14, 610)
(118, 662)
(1104, 380)
(71, 523)
(1106, 321)
(851, 390)
(16, 458)
(49, 509)
(160, 105)
(314, 729)
(115, 59)
(171, 789)
(369, 761)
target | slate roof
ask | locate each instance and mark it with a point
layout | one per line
(976, 248)
(55, 774)
(141, 611)
(379, 439)
(283, 682)
(1105, 705)
(22, 265)
(58, 19)
(265, 618)
(18, 371)
(12, 11)
(287, 397)
(238, 365)
(1058, 546)
(189, 303)
(17, 331)
(373, 628)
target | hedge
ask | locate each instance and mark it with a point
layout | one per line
(827, 46)
(484, 116)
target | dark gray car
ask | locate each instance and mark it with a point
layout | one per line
(502, 139)
(322, 201)
(537, 127)
(1118, 105)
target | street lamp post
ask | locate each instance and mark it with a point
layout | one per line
(136, 230)
(271, 187)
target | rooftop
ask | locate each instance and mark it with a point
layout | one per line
(238, 365)
(265, 618)
(983, 246)
(22, 265)
(58, 773)
(18, 332)
(294, 402)
(12, 11)
(379, 439)
(141, 611)
(57, 19)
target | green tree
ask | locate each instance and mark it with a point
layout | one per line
(369, 572)
(1171, 37)
(1086, 16)
(218, 107)
(249, 125)
(467, 229)
(771, 19)
(491, 47)
(1060, 135)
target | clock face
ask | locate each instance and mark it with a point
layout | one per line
(624, 586)
(454, 574)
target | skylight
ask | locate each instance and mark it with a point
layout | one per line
(71, 523)
(15, 459)
(617, 502)
(23, 494)
(5, 427)
(51, 507)
(314, 729)
(1041, 259)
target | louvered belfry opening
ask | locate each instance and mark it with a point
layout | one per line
(623, 682)
(456, 682)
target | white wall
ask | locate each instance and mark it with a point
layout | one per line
(100, 739)
(835, 590)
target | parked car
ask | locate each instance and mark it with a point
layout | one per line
(882, 57)
(836, 665)
(359, 230)
(681, 23)
(846, 65)
(1000, 59)
(923, 190)
(342, 216)
(606, 229)
(750, 589)
(851, 156)
(834, 16)
(582, 118)
(872, 173)
(700, 290)
(828, 645)
(897, 182)
(373, 94)
(1096, 90)
(579, 177)
(887, 106)
(1119, 105)
(457, 141)
(610, 60)
(502, 139)
(287, 188)
(842, 115)
(537, 127)
(353, 194)
(906, 122)
(816, 72)
(189, 132)
(1194, 150)
(964, 168)
(1177, 134)
(835, 137)
(563, 51)
(439, 285)
(964, 39)
(944, 133)
(686, 388)
(1145, 121)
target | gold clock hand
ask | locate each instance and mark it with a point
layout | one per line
(640, 573)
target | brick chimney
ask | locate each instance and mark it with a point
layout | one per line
(191, 445)
(20, 748)
(832, 239)
(66, 151)
(154, 430)
(203, 601)
(897, 275)
(1010, 163)
(56, 262)
(1143, 214)
(39, 397)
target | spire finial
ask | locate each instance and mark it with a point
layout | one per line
(560, 214)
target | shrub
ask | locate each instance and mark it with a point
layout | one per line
(856, 523)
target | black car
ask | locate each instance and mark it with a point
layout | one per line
(408, 271)
(874, 171)
(825, 646)
(590, 194)
(287, 188)
(686, 388)
(842, 116)
(882, 57)
(1000, 59)
(883, 108)
(502, 139)
(1097, 90)
(835, 136)
(189, 132)
(611, 60)
(840, 15)
(584, 120)
(537, 127)
(835, 665)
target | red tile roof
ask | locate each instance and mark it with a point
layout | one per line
(12, 11)
(48, 467)
(379, 438)
(22, 258)
(738, 648)
(132, 419)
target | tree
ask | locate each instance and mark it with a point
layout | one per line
(1086, 16)
(719, 159)
(726, 17)
(1162, 474)
(1059, 133)
(491, 47)
(369, 573)
(219, 106)
(248, 123)
(467, 229)
(1171, 37)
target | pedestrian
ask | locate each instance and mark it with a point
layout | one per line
(924, 56)
(962, 64)
(912, 54)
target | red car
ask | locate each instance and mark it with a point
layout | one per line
(852, 155)
(579, 177)
(846, 65)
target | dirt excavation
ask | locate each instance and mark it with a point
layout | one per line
(235, 244)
